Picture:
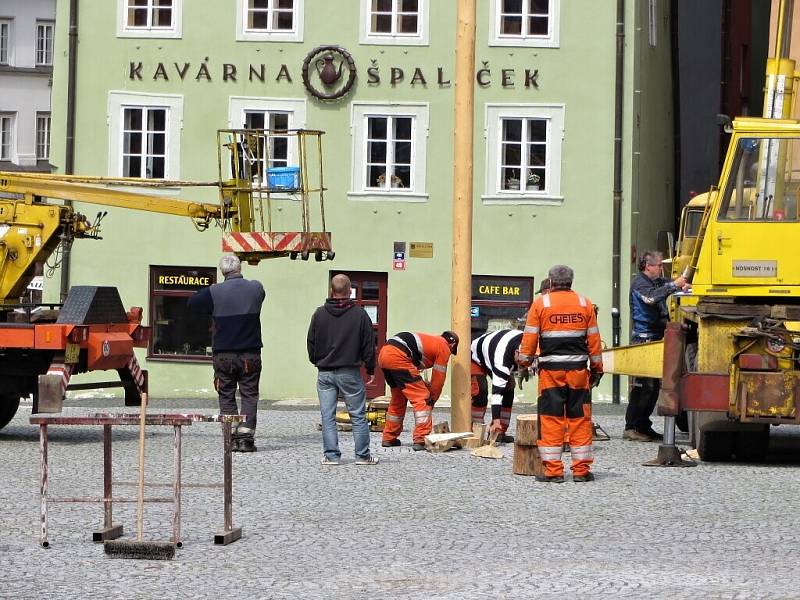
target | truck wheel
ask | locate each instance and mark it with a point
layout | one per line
(752, 446)
(716, 446)
(8, 408)
(682, 421)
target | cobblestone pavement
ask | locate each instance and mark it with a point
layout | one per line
(417, 525)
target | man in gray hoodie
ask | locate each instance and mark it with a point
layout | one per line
(340, 340)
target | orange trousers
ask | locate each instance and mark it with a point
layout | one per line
(407, 386)
(565, 405)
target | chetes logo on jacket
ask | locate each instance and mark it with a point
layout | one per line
(562, 318)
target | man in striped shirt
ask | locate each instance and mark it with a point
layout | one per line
(493, 354)
(562, 325)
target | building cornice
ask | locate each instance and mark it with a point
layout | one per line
(48, 70)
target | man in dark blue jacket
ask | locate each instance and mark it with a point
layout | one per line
(235, 305)
(340, 340)
(649, 293)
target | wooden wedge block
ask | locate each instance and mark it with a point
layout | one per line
(442, 442)
(527, 429)
(470, 442)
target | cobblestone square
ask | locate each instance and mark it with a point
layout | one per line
(418, 525)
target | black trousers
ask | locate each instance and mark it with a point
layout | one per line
(242, 370)
(642, 399)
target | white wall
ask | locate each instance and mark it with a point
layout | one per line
(24, 90)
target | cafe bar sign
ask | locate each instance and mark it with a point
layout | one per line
(328, 73)
(503, 289)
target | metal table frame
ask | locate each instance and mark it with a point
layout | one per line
(111, 531)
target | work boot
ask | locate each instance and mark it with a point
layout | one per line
(635, 436)
(550, 478)
(653, 435)
(583, 478)
(418, 446)
(235, 445)
(504, 438)
(390, 443)
(247, 444)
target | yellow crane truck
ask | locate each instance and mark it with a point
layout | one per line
(730, 357)
(731, 354)
(41, 350)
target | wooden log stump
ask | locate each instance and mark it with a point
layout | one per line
(527, 460)
(479, 430)
(527, 429)
(443, 427)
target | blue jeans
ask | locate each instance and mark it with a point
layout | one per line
(346, 382)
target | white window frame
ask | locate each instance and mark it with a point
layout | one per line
(44, 44)
(8, 48)
(533, 41)
(8, 128)
(239, 106)
(243, 34)
(421, 38)
(360, 111)
(117, 103)
(495, 113)
(126, 31)
(43, 129)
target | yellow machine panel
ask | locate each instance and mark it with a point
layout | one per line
(715, 347)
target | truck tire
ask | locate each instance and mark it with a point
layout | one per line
(752, 446)
(716, 446)
(8, 408)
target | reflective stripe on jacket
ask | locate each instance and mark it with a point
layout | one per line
(563, 326)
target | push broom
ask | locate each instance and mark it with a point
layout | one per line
(139, 548)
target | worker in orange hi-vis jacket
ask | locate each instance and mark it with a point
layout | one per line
(401, 359)
(562, 325)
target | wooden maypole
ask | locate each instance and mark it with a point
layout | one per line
(460, 413)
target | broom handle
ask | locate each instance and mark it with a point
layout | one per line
(140, 503)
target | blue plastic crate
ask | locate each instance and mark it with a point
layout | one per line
(283, 178)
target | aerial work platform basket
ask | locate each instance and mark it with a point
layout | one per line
(274, 177)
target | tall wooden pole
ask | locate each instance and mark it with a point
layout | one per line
(462, 213)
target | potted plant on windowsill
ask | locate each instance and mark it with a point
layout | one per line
(533, 182)
(512, 183)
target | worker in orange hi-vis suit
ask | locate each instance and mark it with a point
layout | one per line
(401, 359)
(562, 325)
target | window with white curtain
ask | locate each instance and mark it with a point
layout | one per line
(44, 43)
(42, 136)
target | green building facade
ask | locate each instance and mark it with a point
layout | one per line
(155, 81)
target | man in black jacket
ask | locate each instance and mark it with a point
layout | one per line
(648, 299)
(235, 306)
(340, 340)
